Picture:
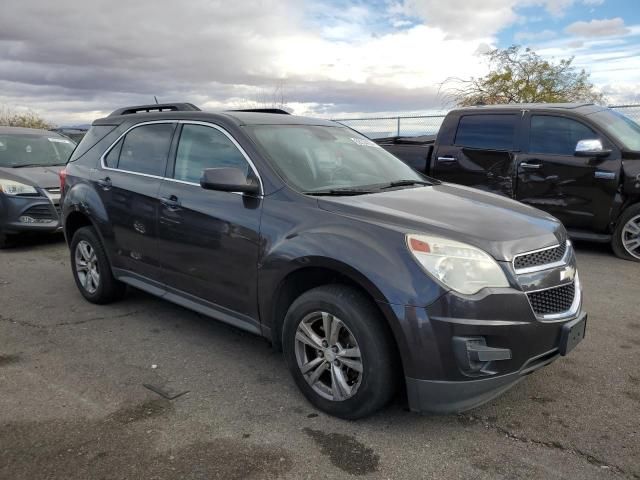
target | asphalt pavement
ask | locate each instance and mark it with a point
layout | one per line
(148, 390)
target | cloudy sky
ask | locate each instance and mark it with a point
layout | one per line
(72, 61)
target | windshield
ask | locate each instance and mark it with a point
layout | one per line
(317, 158)
(19, 150)
(619, 126)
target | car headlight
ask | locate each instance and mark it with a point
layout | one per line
(459, 266)
(10, 187)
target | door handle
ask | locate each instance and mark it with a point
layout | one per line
(105, 183)
(171, 203)
(447, 159)
(531, 166)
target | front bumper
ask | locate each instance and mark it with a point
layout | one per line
(28, 214)
(451, 396)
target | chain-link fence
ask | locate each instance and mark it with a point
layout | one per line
(631, 111)
(411, 126)
(395, 126)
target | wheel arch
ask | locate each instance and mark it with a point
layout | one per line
(315, 272)
(74, 221)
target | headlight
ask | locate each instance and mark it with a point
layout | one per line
(459, 266)
(10, 187)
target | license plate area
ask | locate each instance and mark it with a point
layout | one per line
(572, 334)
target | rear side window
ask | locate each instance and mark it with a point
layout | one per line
(203, 147)
(489, 132)
(556, 135)
(143, 150)
(93, 136)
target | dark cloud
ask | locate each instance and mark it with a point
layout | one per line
(67, 57)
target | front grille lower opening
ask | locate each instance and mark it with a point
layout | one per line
(553, 301)
(41, 212)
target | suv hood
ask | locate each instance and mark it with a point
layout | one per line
(43, 177)
(495, 224)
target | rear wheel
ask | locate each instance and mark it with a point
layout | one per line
(626, 237)
(91, 269)
(340, 352)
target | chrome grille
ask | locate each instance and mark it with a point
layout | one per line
(553, 300)
(540, 257)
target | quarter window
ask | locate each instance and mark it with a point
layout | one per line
(557, 135)
(489, 132)
(111, 160)
(204, 147)
(144, 150)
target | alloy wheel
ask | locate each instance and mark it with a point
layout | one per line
(328, 356)
(631, 237)
(87, 266)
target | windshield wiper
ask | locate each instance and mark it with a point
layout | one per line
(405, 183)
(338, 192)
(26, 165)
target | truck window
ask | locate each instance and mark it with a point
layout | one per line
(490, 132)
(556, 135)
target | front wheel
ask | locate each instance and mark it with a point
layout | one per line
(4, 240)
(340, 352)
(626, 237)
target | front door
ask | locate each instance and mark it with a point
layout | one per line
(210, 240)
(482, 153)
(128, 181)
(579, 191)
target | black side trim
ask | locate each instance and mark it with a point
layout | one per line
(186, 300)
(589, 236)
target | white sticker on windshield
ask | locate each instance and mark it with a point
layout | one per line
(364, 142)
(58, 140)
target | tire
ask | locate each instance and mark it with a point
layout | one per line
(341, 390)
(4, 240)
(626, 236)
(87, 248)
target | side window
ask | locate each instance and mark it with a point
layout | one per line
(204, 147)
(490, 132)
(144, 149)
(92, 137)
(556, 135)
(111, 160)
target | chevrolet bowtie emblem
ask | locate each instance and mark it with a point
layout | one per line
(568, 273)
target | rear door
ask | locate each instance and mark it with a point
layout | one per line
(482, 153)
(128, 181)
(579, 191)
(210, 240)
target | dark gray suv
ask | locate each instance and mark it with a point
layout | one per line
(366, 273)
(30, 163)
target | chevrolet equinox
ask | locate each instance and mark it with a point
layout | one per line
(368, 275)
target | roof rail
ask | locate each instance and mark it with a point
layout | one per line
(155, 107)
(278, 111)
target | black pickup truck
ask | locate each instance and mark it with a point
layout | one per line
(579, 162)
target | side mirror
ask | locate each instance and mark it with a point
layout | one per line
(591, 148)
(228, 179)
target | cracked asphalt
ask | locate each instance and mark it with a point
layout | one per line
(73, 404)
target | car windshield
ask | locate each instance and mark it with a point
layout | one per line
(21, 150)
(315, 159)
(619, 126)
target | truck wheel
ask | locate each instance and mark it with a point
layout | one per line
(340, 351)
(626, 237)
(91, 269)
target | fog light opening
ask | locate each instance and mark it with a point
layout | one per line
(474, 357)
